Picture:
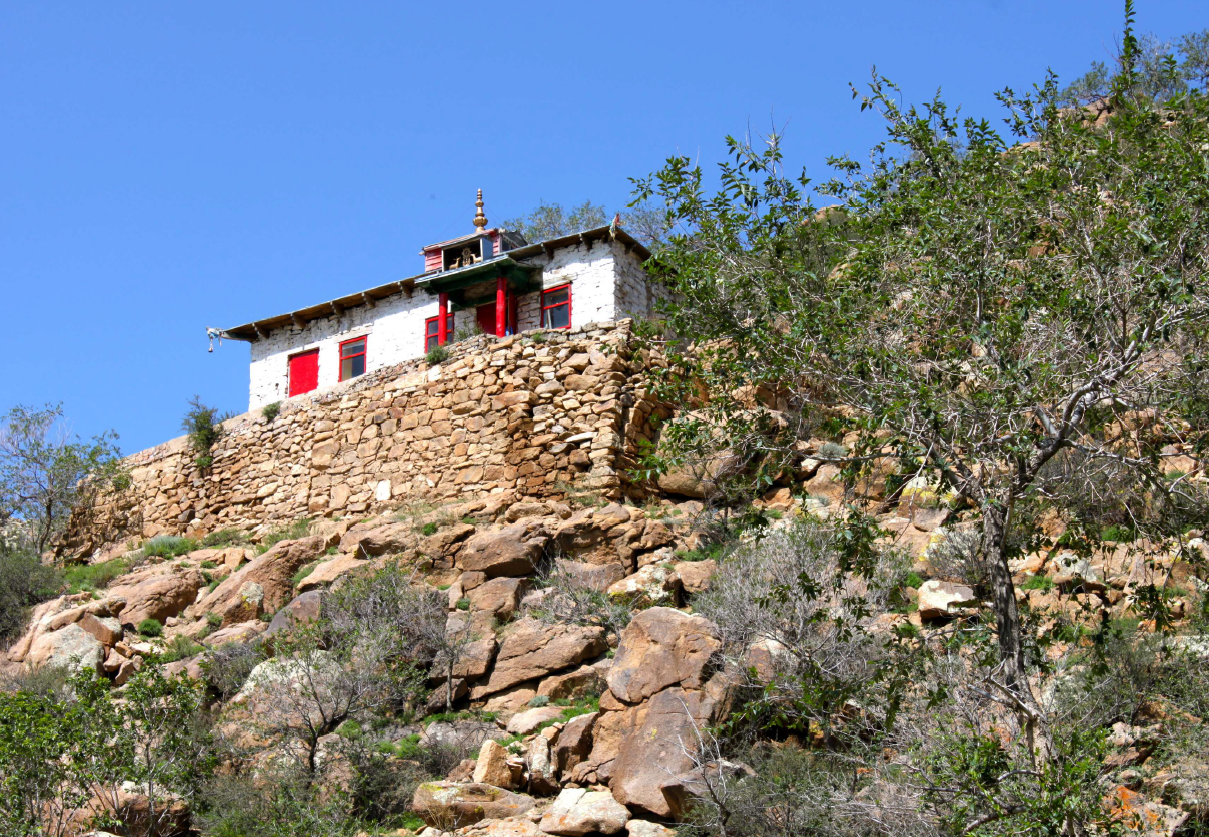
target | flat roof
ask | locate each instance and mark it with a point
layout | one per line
(261, 328)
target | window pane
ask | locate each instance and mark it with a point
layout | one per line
(555, 297)
(430, 343)
(351, 367)
(353, 347)
(430, 327)
(557, 317)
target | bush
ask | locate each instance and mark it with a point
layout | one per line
(270, 411)
(303, 572)
(24, 581)
(227, 667)
(831, 450)
(168, 546)
(223, 538)
(202, 426)
(281, 804)
(180, 648)
(539, 701)
(959, 558)
(150, 627)
(437, 355)
(572, 600)
(1038, 582)
(430, 528)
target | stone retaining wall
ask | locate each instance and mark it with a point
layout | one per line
(513, 415)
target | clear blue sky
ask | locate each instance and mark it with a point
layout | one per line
(169, 166)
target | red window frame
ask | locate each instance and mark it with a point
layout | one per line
(361, 354)
(431, 330)
(564, 287)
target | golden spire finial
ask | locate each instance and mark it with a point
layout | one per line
(480, 220)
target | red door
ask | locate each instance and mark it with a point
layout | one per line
(304, 372)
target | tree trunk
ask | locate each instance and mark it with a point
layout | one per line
(1007, 615)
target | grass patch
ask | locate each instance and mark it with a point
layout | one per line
(270, 411)
(213, 619)
(304, 572)
(223, 538)
(87, 578)
(707, 552)
(208, 565)
(462, 715)
(437, 355)
(1038, 582)
(297, 529)
(168, 546)
(463, 604)
(429, 528)
(913, 580)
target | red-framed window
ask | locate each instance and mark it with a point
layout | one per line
(556, 307)
(431, 334)
(352, 358)
(303, 372)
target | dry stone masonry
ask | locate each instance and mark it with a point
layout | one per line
(528, 415)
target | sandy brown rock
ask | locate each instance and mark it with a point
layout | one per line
(696, 575)
(531, 649)
(574, 742)
(156, 593)
(578, 812)
(573, 684)
(273, 572)
(499, 596)
(651, 756)
(662, 647)
(491, 768)
(447, 805)
(512, 551)
(70, 647)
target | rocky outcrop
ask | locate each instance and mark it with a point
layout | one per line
(156, 592)
(262, 586)
(662, 647)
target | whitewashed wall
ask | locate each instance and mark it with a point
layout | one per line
(606, 283)
(395, 328)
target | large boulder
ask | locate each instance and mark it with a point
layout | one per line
(943, 598)
(302, 609)
(70, 647)
(574, 742)
(272, 572)
(662, 647)
(532, 649)
(156, 592)
(652, 585)
(507, 827)
(512, 551)
(578, 812)
(499, 597)
(365, 541)
(449, 805)
(492, 768)
(656, 754)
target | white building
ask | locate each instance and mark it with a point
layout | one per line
(491, 278)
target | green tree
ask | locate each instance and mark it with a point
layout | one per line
(45, 471)
(983, 308)
(552, 220)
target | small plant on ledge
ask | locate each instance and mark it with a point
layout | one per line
(437, 355)
(270, 411)
(202, 426)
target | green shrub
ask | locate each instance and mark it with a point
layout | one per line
(1120, 534)
(463, 604)
(270, 411)
(538, 337)
(436, 355)
(831, 450)
(913, 580)
(180, 648)
(168, 546)
(539, 701)
(24, 581)
(429, 528)
(208, 565)
(83, 578)
(202, 426)
(150, 627)
(224, 537)
(213, 619)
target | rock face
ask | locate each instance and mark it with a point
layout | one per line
(449, 805)
(661, 647)
(578, 812)
(302, 609)
(531, 650)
